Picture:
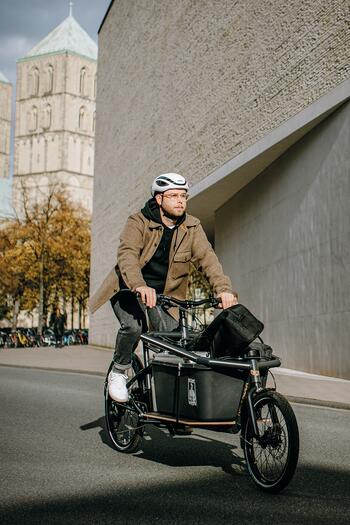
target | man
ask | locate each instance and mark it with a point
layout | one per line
(156, 248)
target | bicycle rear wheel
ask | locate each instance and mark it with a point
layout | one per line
(122, 419)
(271, 459)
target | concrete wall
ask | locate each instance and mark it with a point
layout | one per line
(185, 86)
(285, 241)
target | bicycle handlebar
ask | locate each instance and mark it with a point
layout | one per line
(165, 300)
(187, 304)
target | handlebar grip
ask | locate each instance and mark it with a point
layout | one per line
(215, 301)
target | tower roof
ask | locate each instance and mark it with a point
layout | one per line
(68, 36)
(4, 79)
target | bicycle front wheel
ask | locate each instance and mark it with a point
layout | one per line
(272, 458)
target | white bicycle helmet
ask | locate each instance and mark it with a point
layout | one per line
(168, 181)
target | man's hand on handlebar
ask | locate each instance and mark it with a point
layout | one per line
(227, 299)
(148, 295)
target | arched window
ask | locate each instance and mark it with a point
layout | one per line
(34, 79)
(82, 118)
(47, 117)
(82, 81)
(33, 119)
(95, 85)
(4, 139)
(49, 78)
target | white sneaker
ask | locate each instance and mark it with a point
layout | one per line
(117, 386)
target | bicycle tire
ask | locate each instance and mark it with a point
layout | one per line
(122, 420)
(272, 459)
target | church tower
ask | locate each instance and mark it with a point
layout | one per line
(5, 126)
(5, 137)
(55, 114)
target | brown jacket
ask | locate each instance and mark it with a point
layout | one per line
(138, 243)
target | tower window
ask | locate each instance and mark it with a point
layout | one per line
(49, 78)
(33, 119)
(47, 117)
(83, 81)
(34, 81)
(82, 118)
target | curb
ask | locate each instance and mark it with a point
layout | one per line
(292, 399)
(52, 369)
(318, 402)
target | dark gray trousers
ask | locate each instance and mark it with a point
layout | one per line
(131, 314)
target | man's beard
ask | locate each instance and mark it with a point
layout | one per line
(170, 215)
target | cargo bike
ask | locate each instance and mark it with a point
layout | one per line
(215, 380)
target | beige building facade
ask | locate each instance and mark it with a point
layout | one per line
(5, 125)
(55, 115)
(242, 98)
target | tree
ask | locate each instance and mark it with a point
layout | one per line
(71, 255)
(44, 253)
(15, 263)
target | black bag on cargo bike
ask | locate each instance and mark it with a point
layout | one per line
(230, 333)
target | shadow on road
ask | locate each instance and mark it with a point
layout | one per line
(315, 496)
(191, 451)
(179, 451)
(98, 423)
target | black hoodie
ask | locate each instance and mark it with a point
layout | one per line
(155, 271)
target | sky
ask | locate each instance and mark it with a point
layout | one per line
(23, 23)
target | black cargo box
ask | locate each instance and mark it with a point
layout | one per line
(190, 391)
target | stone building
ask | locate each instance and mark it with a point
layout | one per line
(55, 114)
(249, 100)
(5, 138)
(5, 126)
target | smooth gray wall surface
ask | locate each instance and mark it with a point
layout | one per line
(285, 241)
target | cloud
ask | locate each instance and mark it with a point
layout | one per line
(11, 48)
(15, 47)
(19, 17)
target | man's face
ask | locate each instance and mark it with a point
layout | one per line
(174, 202)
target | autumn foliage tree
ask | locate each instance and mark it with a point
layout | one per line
(45, 255)
(15, 263)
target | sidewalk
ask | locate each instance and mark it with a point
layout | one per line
(297, 386)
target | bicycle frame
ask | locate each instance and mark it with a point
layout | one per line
(251, 365)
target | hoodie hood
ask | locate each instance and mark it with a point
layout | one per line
(152, 212)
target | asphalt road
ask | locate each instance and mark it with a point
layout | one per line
(57, 467)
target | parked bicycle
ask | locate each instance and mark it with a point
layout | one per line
(34, 339)
(3, 338)
(177, 387)
(11, 340)
(48, 337)
(30, 338)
